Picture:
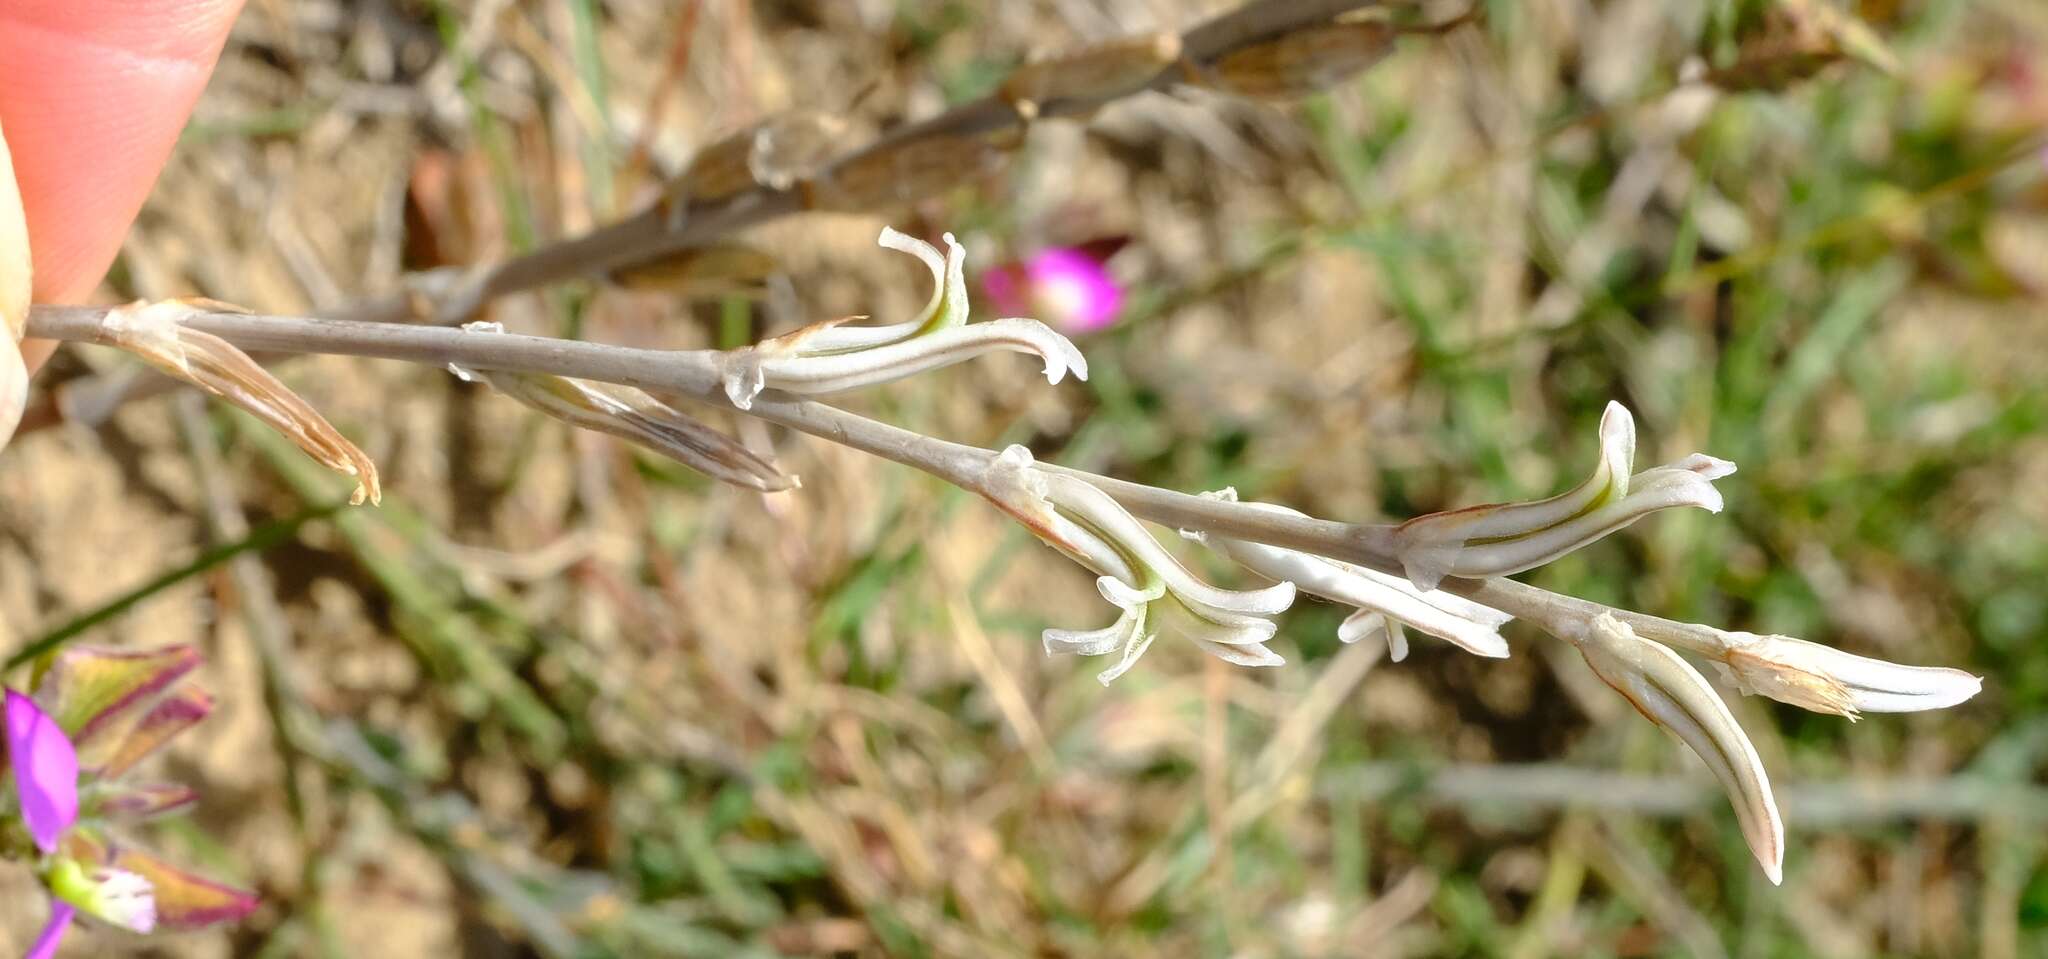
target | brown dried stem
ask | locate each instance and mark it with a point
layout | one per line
(661, 229)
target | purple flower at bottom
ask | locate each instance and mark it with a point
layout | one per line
(95, 714)
(1065, 287)
(61, 914)
(45, 771)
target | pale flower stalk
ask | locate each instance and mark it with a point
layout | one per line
(1498, 539)
(1669, 692)
(1152, 590)
(1384, 602)
(830, 357)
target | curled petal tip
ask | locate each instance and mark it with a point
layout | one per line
(1152, 590)
(1504, 538)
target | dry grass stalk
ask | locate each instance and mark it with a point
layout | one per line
(1299, 63)
(723, 269)
(906, 171)
(773, 153)
(1105, 71)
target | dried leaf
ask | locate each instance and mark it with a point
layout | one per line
(156, 332)
(638, 418)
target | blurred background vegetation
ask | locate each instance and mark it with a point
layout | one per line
(558, 697)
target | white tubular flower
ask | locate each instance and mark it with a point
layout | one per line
(111, 895)
(829, 357)
(1826, 680)
(1670, 693)
(1502, 538)
(1153, 590)
(1384, 602)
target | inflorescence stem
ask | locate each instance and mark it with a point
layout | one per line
(695, 374)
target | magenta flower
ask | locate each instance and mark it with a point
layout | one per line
(94, 715)
(45, 770)
(1066, 287)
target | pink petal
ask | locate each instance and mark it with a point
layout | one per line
(144, 800)
(53, 931)
(1005, 288)
(183, 900)
(179, 710)
(1073, 290)
(45, 771)
(97, 694)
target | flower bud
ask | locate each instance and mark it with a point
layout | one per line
(1827, 680)
(831, 357)
(1151, 589)
(1669, 692)
(894, 173)
(1502, 538)
(110, 895)
(1469, 625)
